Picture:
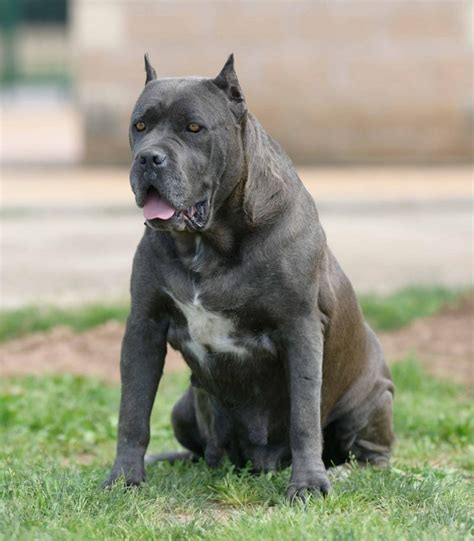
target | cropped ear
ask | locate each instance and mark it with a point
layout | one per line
(228, 82)
(150, 71)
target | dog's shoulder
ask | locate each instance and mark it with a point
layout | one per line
(152, 262)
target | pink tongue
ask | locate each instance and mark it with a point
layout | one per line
(155, 207)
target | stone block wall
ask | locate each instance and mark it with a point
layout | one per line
(349, 81)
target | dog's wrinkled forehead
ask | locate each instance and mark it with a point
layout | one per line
(195, 98)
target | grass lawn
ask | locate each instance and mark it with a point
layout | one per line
(57, 442)
(383, 313)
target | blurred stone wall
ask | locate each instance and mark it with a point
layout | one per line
(334, 82)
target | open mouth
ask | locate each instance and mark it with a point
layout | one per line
(157, 208)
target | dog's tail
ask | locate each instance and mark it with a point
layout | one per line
(171, 457)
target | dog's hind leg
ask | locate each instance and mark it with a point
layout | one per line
(364, 433)
(373, 444)
(186, 430)
(171, 457)
(185, 424)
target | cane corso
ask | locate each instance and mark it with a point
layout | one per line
(234, 271)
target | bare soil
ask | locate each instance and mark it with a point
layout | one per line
(95, 352)
(444, 343)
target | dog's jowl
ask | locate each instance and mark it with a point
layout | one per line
(233, 271)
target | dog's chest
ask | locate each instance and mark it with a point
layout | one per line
(211, 332)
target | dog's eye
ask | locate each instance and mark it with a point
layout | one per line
(140, 126)
(194, 127)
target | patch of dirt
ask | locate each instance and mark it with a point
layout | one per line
(444, 343)
(95, 352)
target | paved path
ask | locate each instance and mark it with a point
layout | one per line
(68, 235)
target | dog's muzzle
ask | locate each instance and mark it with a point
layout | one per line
(157, 211)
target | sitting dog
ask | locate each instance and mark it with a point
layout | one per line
(233, 271)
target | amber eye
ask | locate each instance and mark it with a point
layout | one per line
(194, 127)
(140, 126)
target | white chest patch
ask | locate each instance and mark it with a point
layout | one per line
(209, 331)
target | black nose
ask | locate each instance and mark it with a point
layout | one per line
(152, 158)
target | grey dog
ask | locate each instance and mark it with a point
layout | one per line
(233, 271)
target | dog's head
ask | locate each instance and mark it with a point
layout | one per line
(187, 149)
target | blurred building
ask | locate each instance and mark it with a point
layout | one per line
(336, 82)
(34, 42)
(349, 81)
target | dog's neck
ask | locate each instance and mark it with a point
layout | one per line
(221, 240)
(187, 245)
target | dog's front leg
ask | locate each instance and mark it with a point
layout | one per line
(305, 360)
(141, 366)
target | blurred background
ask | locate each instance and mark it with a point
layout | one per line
(372, 100)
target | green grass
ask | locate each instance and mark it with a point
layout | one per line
(399, 309)
(57, 442)
(14, 323)
(383, 313)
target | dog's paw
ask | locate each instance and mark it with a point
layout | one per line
(302, 485)
(130, 474)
